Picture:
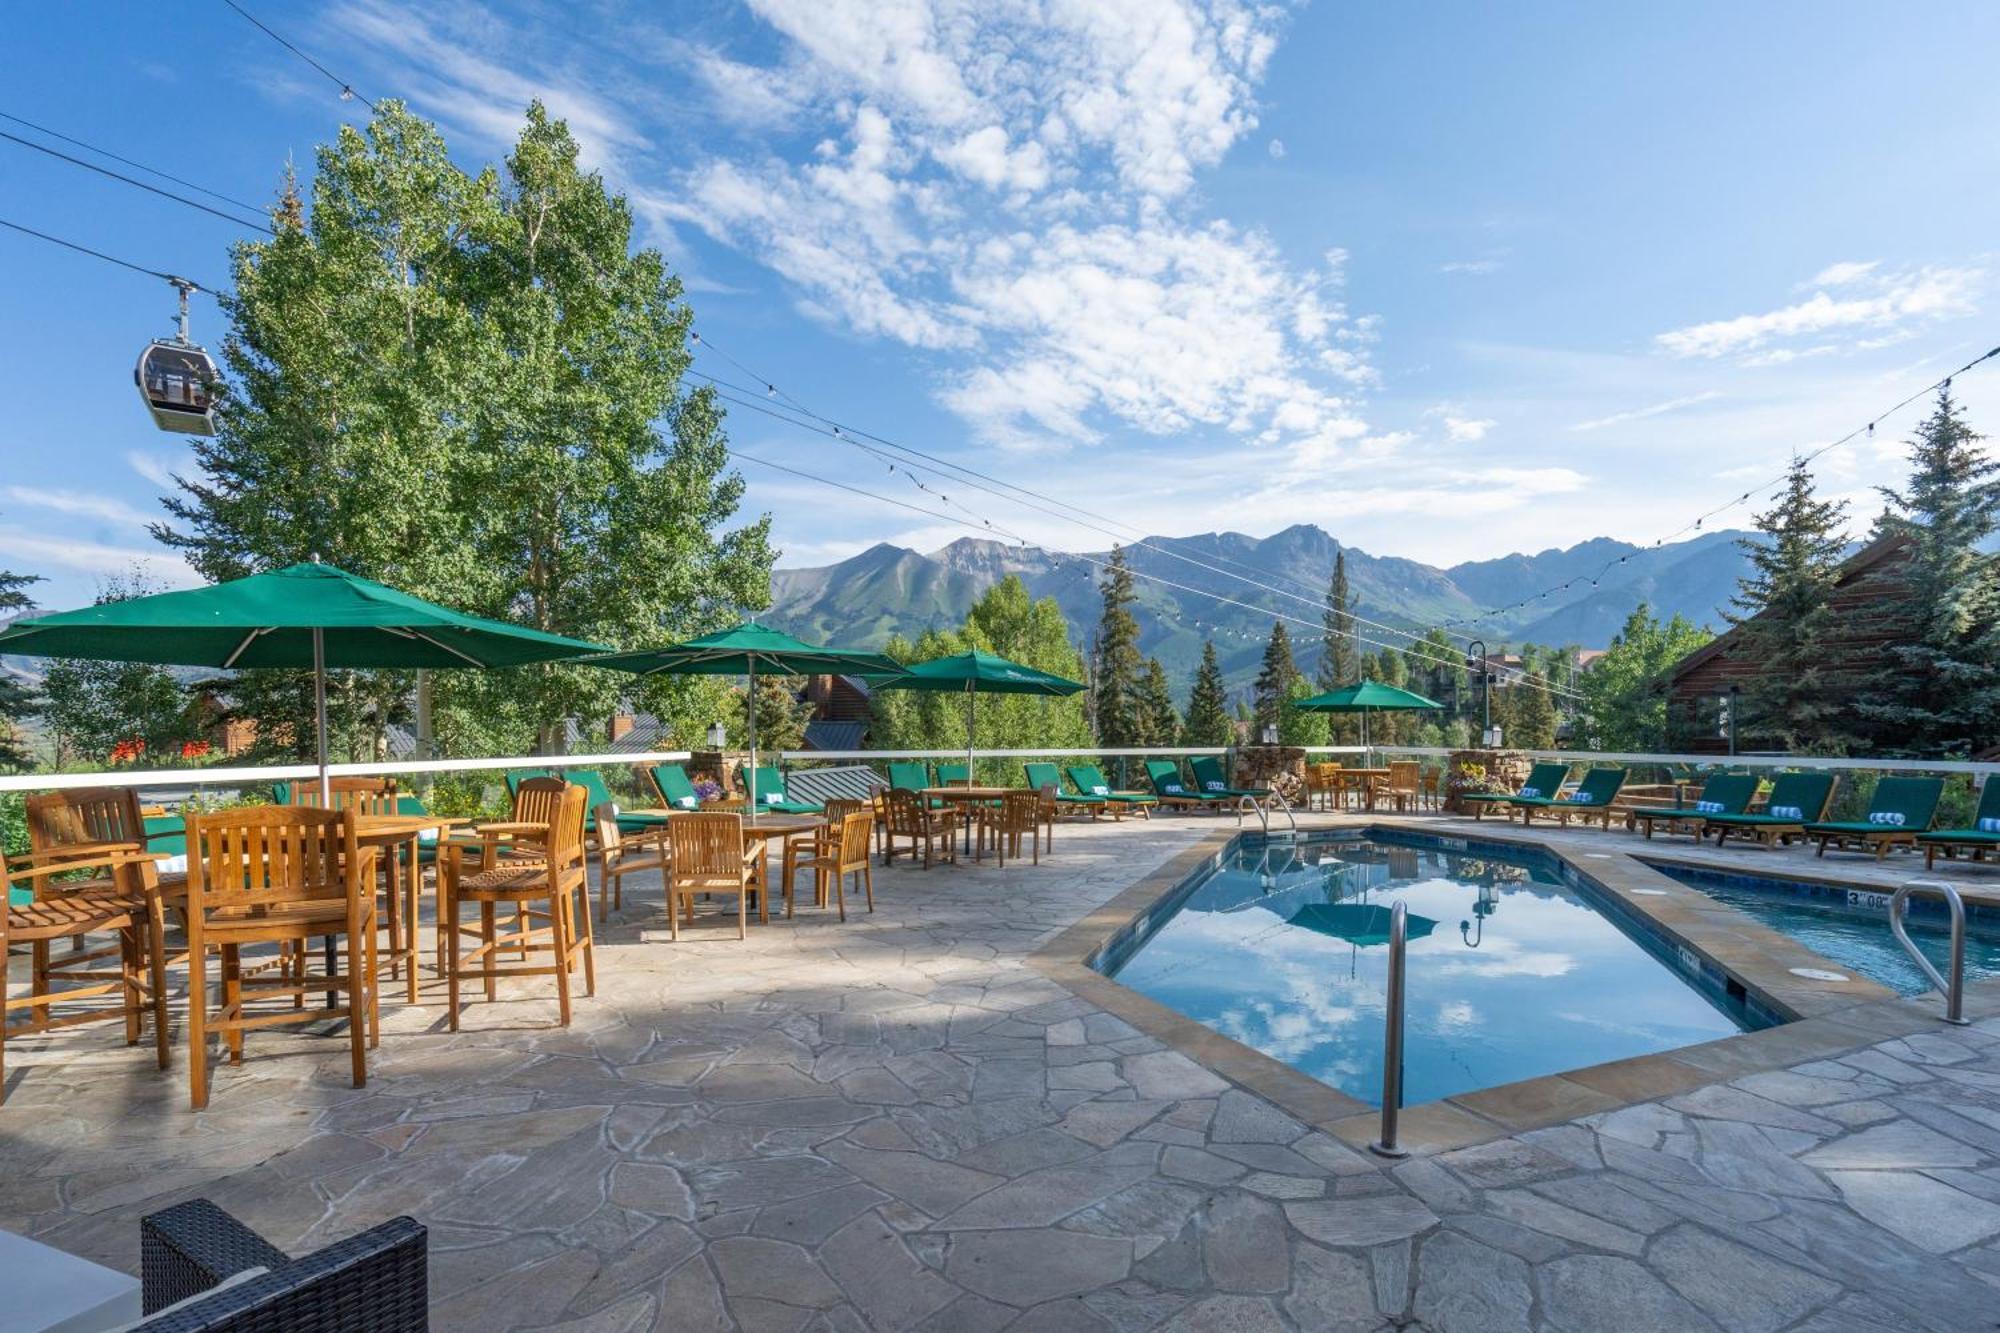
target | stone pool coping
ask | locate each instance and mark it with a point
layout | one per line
(1828, 1018)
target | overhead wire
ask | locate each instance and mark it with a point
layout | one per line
(111, 259)
(141, 166)
(347, 92)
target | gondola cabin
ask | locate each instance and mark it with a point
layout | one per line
(178, 380)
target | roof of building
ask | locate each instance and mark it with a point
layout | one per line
(835, 735)
(849, 782)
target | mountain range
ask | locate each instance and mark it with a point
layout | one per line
(888, 590)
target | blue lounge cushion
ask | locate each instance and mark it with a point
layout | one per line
(1787, 812)
(1532, 793)
(1890, 817)
(1989, 825)
(1709, 807)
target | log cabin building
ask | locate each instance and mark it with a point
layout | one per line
(1703, 687)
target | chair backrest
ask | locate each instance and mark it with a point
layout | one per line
(912, 775)
(1808, 793)
(265, 855)
(1403, 774)
(840, 808)
(1599, 785)
(60, 819)
(1043, 776)
(541, 801)
(857, 830)
(1546, 780)
(766, 784)
(1989, 802)
(705, 846)
(605, 815)
(1165, 776)
(516, 777)
(1731, 791)
(671, 781)
(954, 775)
(1020, 811)
(903, 810)
(364, 796)
(1914, 799)
(1208, 773)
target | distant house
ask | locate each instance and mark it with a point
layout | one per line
(841, 712)
(1705, 685)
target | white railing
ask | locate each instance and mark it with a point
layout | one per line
(1966, 766)
(223, 777)
(1087, 752)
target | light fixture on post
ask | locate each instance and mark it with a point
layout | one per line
(718, 739)
(1270, 733)
(1489, 735)
(1733, 704)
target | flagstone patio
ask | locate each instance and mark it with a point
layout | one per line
(903, 1122)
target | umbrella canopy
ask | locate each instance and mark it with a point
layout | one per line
(1363, 924)
(274, 619)
(979, 673)
(744, 651)
(1363, 696)
(308, 615)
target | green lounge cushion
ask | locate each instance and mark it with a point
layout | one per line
(1166, 780)
(1208, 776)
(593, 782)
(1854, 826)
(768, 787)
(675, 788)
(1043, 776)
(1969, 836)
(1092, 783)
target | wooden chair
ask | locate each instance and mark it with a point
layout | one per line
(85, 822)
(1431, 788)
(707, 855)
(805, 845)
(1322, 785)
(281, 875)
(551, 885)
(904, 816)
(837, 851)
(1018, 815)
(617, 857)
(122, 902)
(1401, 784)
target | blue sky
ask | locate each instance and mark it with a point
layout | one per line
(1449, 280)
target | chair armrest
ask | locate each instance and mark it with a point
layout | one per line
(516, 827)
(374, 1282)
(188, 1248)
(30, 867)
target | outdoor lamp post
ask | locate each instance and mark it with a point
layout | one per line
(1270, 733)
(1735, 701)
(718, 738)
(1487, 737)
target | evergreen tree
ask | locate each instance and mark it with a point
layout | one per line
(1937, 697)
(1208, 720)
(1339, 660)
(781, 714)
(1274, 680)
(1783, 612)
(1532, 713)
(1118, 709)
(17, 699)
(1156, 707)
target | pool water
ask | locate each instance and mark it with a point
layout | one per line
(1513, 972)
(1851, 927)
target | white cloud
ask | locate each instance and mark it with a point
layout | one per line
(1642, 413)
(1466, 430)
(1872, 300)
(160, 464)
(1471, 267)
(83, 504)
(85, 557)
(1276, 148)
(1842, 273)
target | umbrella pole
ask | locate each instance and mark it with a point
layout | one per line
(968, 736)
(750, 784)
(319, 713)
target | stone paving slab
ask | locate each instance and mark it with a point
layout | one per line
(900, 1123)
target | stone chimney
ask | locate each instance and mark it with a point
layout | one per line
(621, 726)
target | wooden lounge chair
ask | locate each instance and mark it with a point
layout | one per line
(1796, 799)
(1976, 841)
(1090, 780)
(1591, 800)
(1211, 779)
(1047, 779)
(1898, 811)
(1173, 793)
(596, 794)
(1544, 782)
(768, 792)
(1721, 794)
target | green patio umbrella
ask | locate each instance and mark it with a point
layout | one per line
(978, 673)
(744, 651)
(1364, 698)
(308, 615)
(1361, 924)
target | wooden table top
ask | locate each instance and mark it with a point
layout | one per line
(967, 793)
(394, 828)
(764, 826)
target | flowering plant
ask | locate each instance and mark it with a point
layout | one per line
(194, 749)
(128, 751)
(708, 789)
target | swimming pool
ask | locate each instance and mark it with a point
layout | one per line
(1515, 970)
(1851, 926)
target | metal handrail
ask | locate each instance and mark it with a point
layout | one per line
(1392, 1037)
(1263, 809)
(1954, 989)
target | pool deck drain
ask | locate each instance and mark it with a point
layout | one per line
(897, 1123)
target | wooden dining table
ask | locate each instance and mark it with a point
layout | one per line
(389, 834)
(765, 829)
(1363, 782)
(966, 797)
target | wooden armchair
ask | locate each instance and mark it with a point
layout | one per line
(279, 875)
(838, 850)
(85, 823)
(1401, 786)
(707, 855)
(1018, 815)
(904, 816)
(551, 885)
(620, 854)
(121, 901)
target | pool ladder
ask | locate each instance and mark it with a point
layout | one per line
(1954, 988)
(1262, 809)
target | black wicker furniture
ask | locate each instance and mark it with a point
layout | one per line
(374, 1282)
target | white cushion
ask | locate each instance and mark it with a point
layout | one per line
(686, 802)
(1890, 817)
(1100, 790)
(773, 797)
(1709, 807)
(1211, 786)
(173, 865)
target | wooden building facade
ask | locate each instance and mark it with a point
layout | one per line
(1704, 687)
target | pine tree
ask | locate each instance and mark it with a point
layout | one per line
(1117, 667)
(1339, 658)
(1156, 707)
(1274, 680)
(1208, 721)
(1533, 714)
(1938, 695)
(1783, 611)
